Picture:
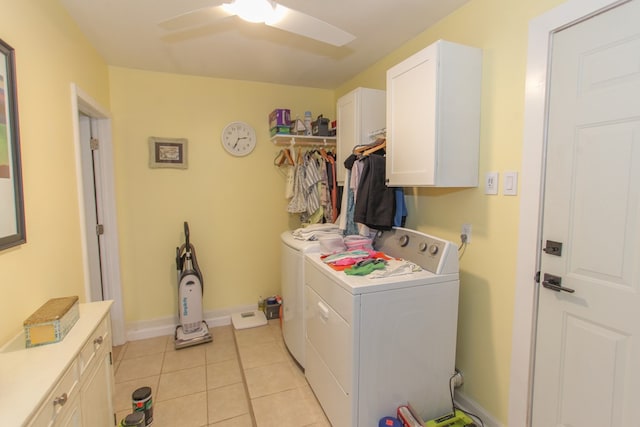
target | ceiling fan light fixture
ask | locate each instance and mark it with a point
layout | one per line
(279, 13)
(255, 11)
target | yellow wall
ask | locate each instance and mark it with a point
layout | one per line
(235, 206)
(487, 268)
(50, 55)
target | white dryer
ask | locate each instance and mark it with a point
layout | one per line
(374, 344)
(292, 288)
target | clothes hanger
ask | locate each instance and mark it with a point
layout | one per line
(368, 147)
(284, 157)
(376, 148)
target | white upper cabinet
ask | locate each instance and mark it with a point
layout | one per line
(359, 113)
(433, 117)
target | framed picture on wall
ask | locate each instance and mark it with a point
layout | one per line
(167, 152)
(12, 229)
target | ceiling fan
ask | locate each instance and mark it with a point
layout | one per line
(263, 11)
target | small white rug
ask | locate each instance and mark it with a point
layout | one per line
(248, 319)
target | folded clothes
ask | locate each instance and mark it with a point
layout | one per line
(357, 253)
(363, 269)
(344, 260)
(396, 269)
(314, 231)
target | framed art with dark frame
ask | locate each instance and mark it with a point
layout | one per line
(167, 152)
(12, 229)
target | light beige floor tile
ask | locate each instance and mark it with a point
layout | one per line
(117, 352)
(324, 423)
(285, 409)
(227, 402)
(269, 379)
(260, 354)
(145, 347)
(220, 351)
(140, 367)
(181, 383)
(275, 329)
(313, 405)
(223, 373)
(211, 384)
(186, 411)
(241, 421)
(252, 336)
(122, 400)
(222, 333)
(183, 359)
(297, 371)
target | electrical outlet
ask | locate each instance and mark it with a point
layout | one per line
(466, 231)
(491, 183)
(458, 379)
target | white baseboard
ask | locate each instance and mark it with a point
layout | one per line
(466, 403)
(167, 325)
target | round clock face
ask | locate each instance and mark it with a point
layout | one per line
(238, 138)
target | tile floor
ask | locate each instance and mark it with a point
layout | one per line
(244, 378)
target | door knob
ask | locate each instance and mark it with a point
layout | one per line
(553, 282)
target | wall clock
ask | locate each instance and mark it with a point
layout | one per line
(238, 138)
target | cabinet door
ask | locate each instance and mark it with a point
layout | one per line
(433, 117)
(97, 393)
(411, 120)
(359, 113)
(347, 132)
(72, 416)
(62, 401)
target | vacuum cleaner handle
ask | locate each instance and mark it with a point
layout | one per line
(186, 233)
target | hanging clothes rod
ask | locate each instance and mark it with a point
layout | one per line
(303, 140)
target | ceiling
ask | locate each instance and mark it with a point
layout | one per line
(127, 34)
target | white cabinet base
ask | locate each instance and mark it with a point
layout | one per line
(69, 383)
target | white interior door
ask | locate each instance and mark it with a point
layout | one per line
(587, 370)
(96, 189)
(93, 213)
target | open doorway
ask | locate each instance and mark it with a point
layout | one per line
(96, 192)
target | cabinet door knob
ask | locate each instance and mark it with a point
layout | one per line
(60, 400)
(99, 340)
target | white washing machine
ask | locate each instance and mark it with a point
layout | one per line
(292, 288)
(375, 344)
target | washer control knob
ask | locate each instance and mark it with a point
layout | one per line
(423, 247)
(433, 249)
(404, 240)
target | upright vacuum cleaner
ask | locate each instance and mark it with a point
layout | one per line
(193, 329)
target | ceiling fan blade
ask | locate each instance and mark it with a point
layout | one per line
(308, 26)
(195, 18)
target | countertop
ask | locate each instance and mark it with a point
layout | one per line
(27, 375)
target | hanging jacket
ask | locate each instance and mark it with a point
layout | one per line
(375, 202)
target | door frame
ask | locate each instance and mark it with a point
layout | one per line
(541, 30)
(110, 259)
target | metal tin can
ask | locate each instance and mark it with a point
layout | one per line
(133, 420)
(142, 402)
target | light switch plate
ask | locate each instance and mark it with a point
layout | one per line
(510, 184)
(491, 183)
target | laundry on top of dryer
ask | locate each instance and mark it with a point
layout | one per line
(314, 231)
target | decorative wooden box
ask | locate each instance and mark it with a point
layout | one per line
(52, 321)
